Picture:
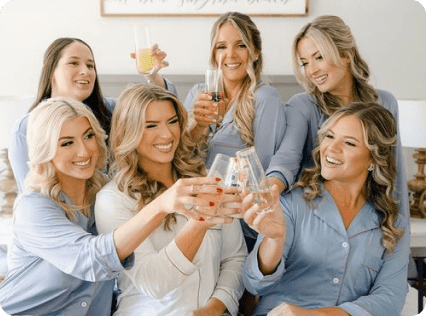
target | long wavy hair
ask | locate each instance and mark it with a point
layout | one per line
(335, 41)
(44, 127)
(127, 128)
(379, 129)
(51, 58)
(250, 35)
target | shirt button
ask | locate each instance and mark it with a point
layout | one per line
(83, 304)
(344, 244)
(335, 280)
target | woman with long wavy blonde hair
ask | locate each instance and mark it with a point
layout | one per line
(343, 233)
(186, 266)
(58, 264)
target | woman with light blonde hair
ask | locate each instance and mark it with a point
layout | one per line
(328, 64)
(58, 264)
(186, 266)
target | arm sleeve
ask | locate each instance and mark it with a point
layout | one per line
(229, 287)
(18, 152)
(41, 227)
(289, 156)
(269, 127)
(254, 280)
(388, 293)
(155, 272)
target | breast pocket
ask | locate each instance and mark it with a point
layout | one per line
(367, 274)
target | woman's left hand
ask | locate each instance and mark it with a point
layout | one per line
(270, 224)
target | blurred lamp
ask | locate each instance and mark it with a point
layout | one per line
(412, 124)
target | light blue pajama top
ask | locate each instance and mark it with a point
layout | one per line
(268, 129)
(58, 267)
(324, 264)
(303, 120)
(268, 126)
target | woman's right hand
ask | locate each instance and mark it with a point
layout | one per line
(206, 110)
(181, 197)
(159, 63)
(270, 224)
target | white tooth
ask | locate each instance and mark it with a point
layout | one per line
(319, 79)
(333, 161)
(82, 163)
(164, 146)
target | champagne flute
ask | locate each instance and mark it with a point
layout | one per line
(214, 87)
(144, 60)
(253, 177)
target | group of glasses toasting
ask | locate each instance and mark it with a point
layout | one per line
(242, 174)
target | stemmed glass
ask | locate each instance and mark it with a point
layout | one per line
(253, 177)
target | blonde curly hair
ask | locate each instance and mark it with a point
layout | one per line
(128, 124)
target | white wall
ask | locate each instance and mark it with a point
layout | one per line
(390, 34)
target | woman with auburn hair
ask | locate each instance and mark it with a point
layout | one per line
(340, 205)
(186, 266)
(58, 264)
(327, 63)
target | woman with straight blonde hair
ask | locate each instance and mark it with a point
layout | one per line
(186, 266)
(58, 264)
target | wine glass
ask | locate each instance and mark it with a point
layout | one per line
(253, 177)
(144, 60)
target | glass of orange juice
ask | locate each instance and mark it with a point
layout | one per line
(144, 60)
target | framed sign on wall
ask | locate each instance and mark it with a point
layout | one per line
(134, 8)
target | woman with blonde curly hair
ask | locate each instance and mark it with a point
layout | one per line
(343, 234)
(58, 265)
(186, 266)
(328, 64)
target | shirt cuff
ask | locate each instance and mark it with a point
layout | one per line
(226, 298)
(178, 259)
(254, 271)
(354, 309)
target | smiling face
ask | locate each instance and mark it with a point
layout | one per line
(74, 75)
(234, 52)
(77, 151)
(160, 137)
(326, 76)
(344, 154)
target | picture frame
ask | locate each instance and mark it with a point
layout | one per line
(197, 8)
